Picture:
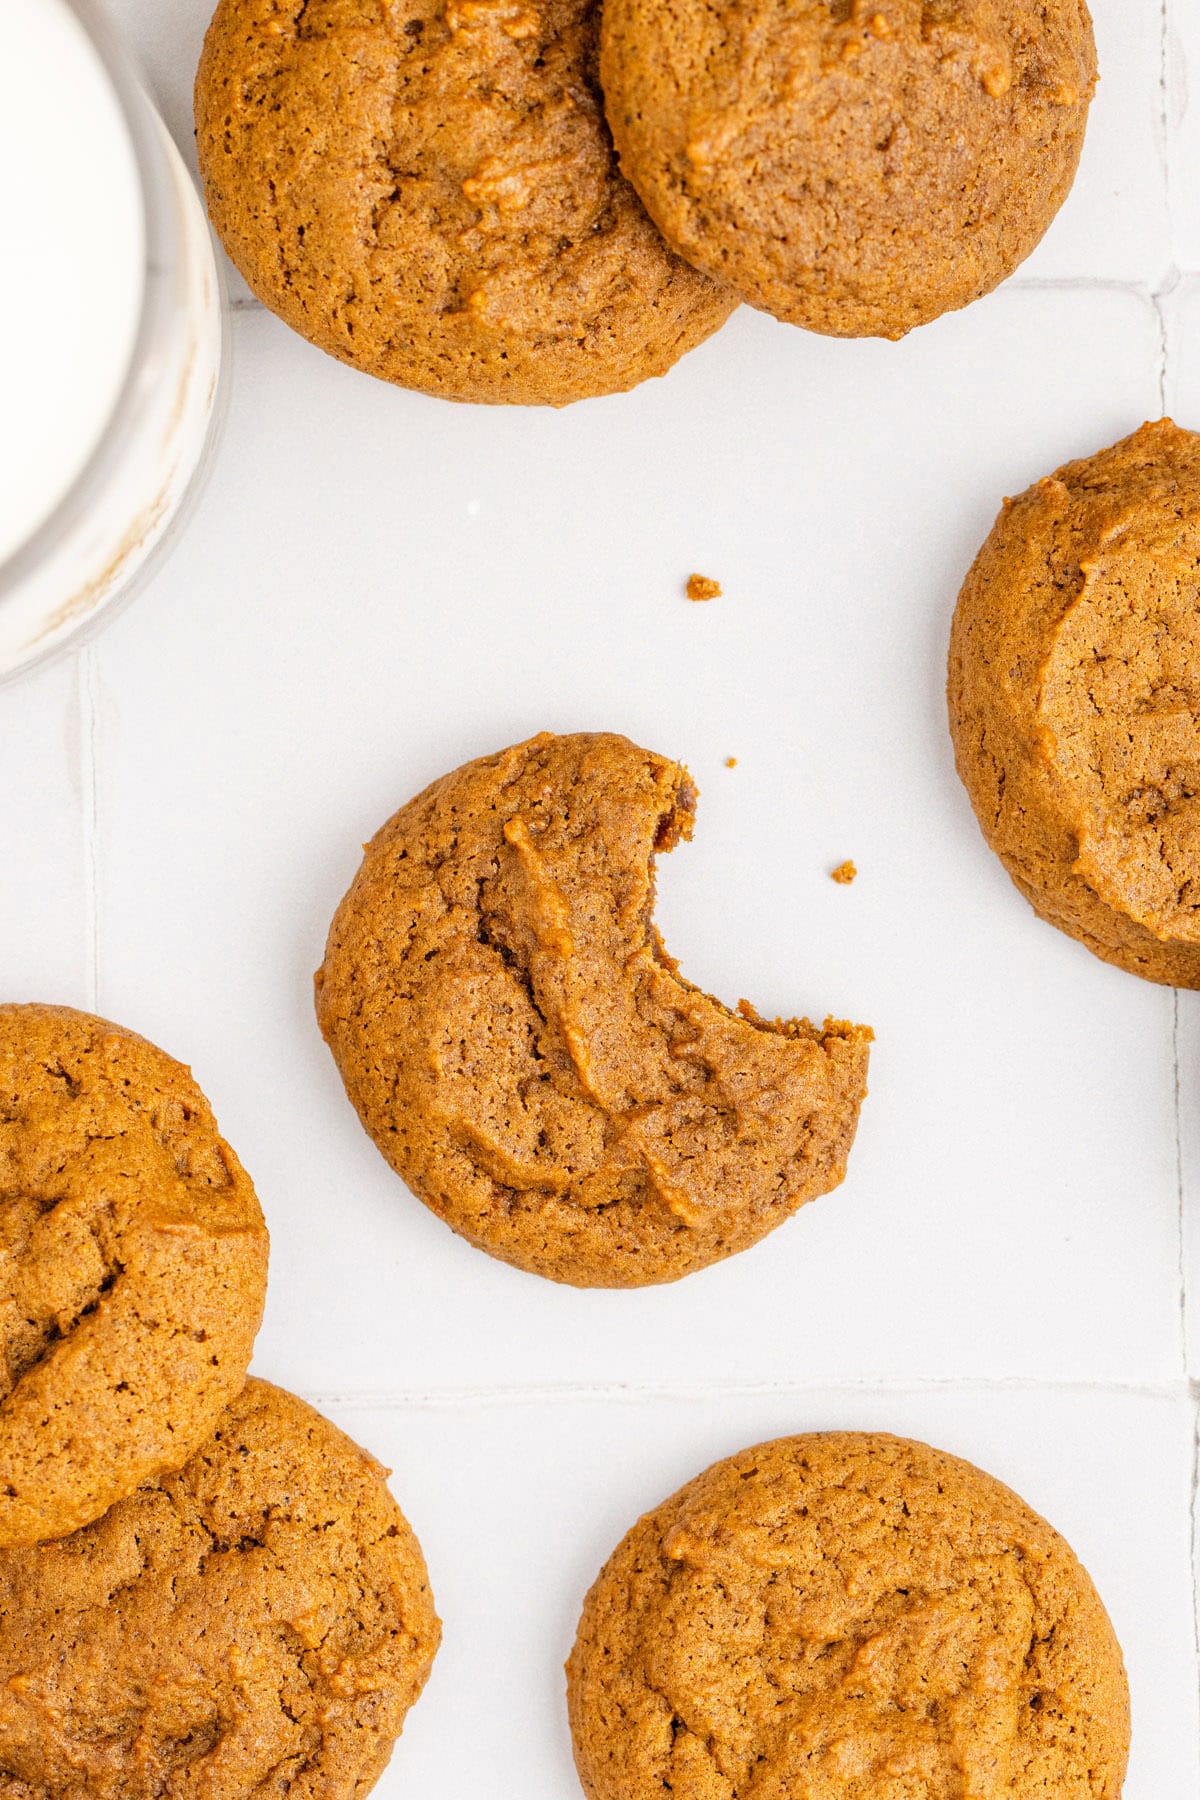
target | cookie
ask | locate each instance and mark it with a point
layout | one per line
(525, 1053)
(857, 167)
(133, 1267)
(258, 1623)
(847, 1616)
(428, 190)
(1074, 697)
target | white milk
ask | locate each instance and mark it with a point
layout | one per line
(73, 251)
(110, 328)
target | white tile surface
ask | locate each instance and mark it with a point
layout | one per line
(1181, 311)
(45, 910)
(1188, 1034)
(1183, 119)
(551, 1489)
(1182, 314)
(1114, 224)
(165, 36)
(377, 586)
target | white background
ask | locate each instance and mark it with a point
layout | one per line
(377, 586)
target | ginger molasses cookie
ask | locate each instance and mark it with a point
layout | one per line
(855, 166)
(1075, 700)
(428, 190)
(258, 1623)
(846, 1616)
(527, 1056)
(133, 1268)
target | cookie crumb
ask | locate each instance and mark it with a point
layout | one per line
(844, 873)
(731, 762)
(703, 587)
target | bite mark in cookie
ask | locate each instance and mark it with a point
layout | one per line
(525, 1052)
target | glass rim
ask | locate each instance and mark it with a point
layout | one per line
(157, 213)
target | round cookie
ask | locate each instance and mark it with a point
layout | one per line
(846, 1616)
(428, 190)
(854, 166)
(133, 1268)
(257, 1624)
(1074, 696)
(524, 1052)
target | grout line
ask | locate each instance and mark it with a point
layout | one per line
(1180, 1217)
(89, 789)
(1102, 284)
(1172, 273)
(1164, 342)
(1164, 112)
(1160, 300)
(1030, 284)
(1165, 398)
(633, 1393)
(1195, 1543)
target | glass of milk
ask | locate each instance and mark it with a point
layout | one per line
(110, 329)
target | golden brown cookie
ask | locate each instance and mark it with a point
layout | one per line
(428, 190)
(257, 1624)
(524, 1052)
(133, 1268)
(855, 166)
(846, 1616)
(1075, 700)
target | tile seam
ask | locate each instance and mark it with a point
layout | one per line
(1180, 1215)
(633, 1393)
(1195, 1546)
(1164, 114)
(1026, 284)
(1166, 397)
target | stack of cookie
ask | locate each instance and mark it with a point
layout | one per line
(200, 1578)
(535, 201)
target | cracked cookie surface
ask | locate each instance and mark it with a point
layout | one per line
(1074, 697)
(258, 1623)
(854, 166)
(846, 1616)
(428, 190)
(133, 1264)
(525, 1053)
